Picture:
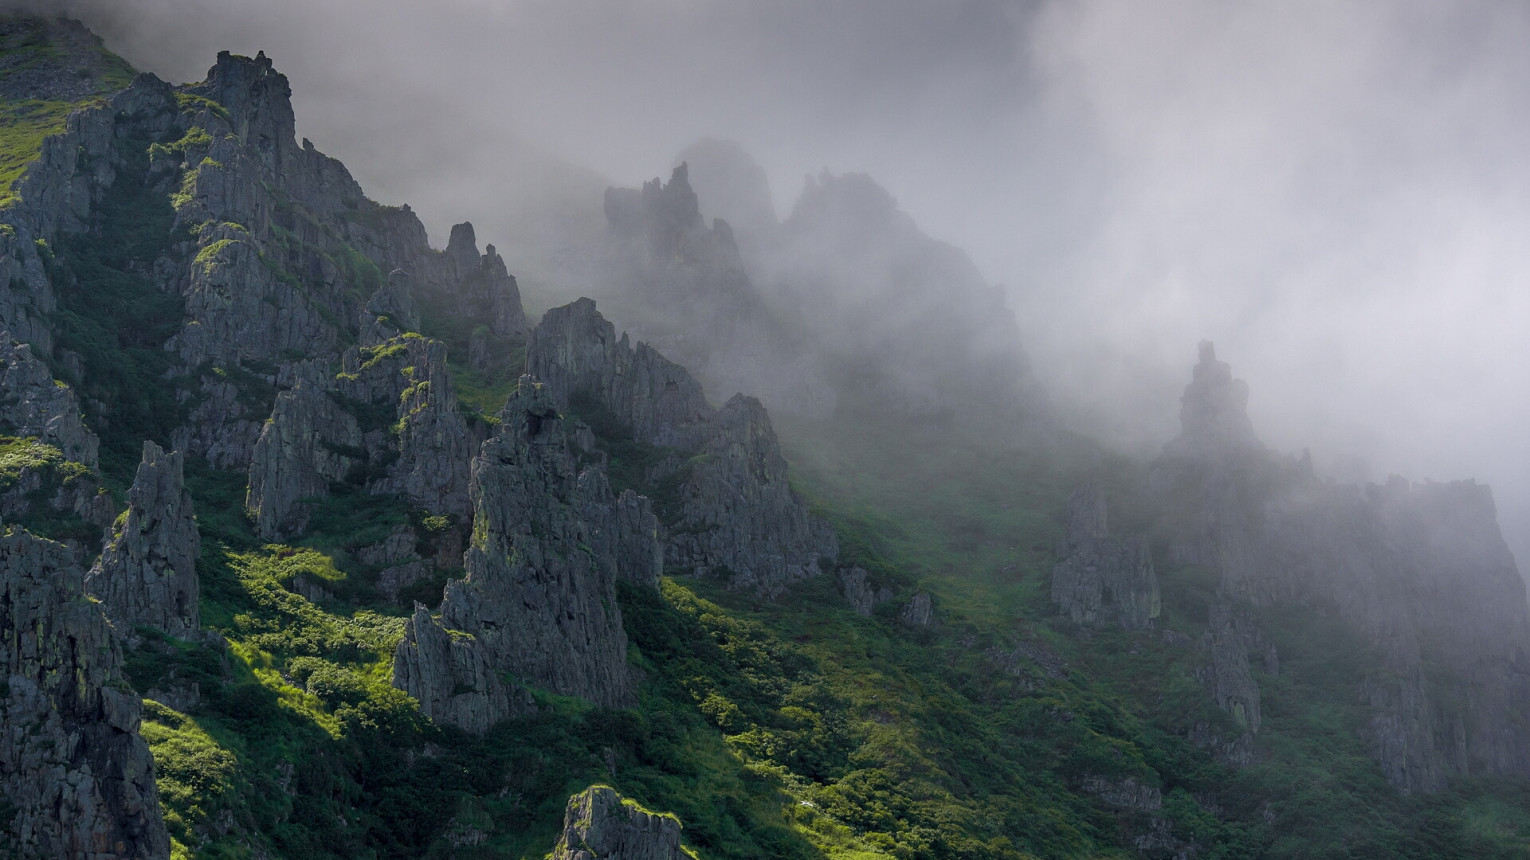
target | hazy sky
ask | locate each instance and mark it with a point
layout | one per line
(1338, 194)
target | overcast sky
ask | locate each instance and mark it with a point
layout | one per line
(1336, 193)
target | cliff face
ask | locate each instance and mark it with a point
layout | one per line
(1102, 579)
(538, 601)
(1420, 570)
(147, 572)
(73, 769)
(736, 515)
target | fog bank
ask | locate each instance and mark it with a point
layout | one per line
(1335, 193)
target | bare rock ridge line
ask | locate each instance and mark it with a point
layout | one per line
(736, 514)
(599, 824)
(73, 767)
(1419, 570)
(147, 574)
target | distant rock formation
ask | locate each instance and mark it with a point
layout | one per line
(681, 286)
(736, 514)
(147, 572)
(75, 774)
(1102, 579)
(600, 824)
(1420, 571)
(908, 324)
(1213, 414)
(863, 595)
(730, 186)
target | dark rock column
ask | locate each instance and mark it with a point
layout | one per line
(147, 573)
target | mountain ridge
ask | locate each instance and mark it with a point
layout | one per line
(348, 420)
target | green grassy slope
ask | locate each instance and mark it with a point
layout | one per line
(789, 729)
(47, 69)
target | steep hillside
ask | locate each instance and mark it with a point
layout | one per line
(315, 546)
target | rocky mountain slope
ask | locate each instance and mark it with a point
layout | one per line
(398, 572)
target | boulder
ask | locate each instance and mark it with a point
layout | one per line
(599, 824)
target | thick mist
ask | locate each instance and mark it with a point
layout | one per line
(1335, 193)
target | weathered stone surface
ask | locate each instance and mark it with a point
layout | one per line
(26, 294)
(309, 442)
(739, 516)
(32, 404)
(147, 572)
(1101, 579)
(574, 351)
(484, 289)
(434, 446)
(452, 676)
(863, 595)
(920, 611)
(600, 825)
(1232, 684)
(390, 312)
(73, 767)
(1125, 793)
(316, 438)
(624, 533)
(538, 599)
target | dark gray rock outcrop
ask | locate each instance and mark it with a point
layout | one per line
(147, 571)
(735, 513)
(451, 675)
(863, 594)
(1102, 579)
(388, 423)
(74, 771)
(309, 442)
(575, 352)
(484, 289)
(33, 404)
(600, 825)
(738, 515)
(539, 598)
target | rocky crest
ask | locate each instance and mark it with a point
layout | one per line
(575, 352)
(147, 571)
(73, 768)
(600, 825)
(697, 303)
(737, 516)
(539, 597)
(1102, 579)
